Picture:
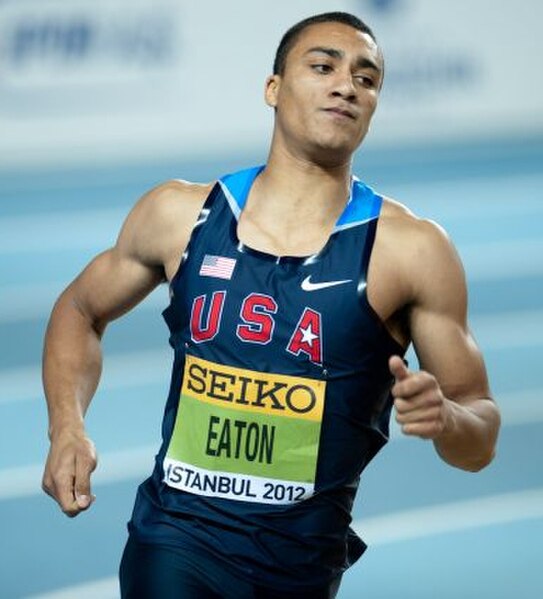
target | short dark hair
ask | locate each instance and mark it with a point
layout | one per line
(292, 35)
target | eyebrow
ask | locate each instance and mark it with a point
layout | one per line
(361, 63)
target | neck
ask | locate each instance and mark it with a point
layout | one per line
(299, 188)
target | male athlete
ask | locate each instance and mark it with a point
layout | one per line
(295, 291)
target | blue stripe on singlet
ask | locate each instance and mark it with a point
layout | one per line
(364, 205)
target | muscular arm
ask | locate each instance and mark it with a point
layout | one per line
(449, 400)
(149, 245)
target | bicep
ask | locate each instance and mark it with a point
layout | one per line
(154, 234)
(447, 349)
(438, 324)
(112, 284)
(119, 278)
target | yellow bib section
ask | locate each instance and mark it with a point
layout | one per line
(253, 391)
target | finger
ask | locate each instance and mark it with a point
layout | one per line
(398, 368)
(47, 485)
(428, 414)
(59, 485)
(424, 430)
(84, 465)
(63, 492)
(410, 398)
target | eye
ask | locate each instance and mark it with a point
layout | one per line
(323, 69)
(365, 80)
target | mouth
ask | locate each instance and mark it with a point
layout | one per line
(341, 112)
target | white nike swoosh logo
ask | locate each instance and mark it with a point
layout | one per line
(307, 285)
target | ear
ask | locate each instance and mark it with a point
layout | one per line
(271, 90)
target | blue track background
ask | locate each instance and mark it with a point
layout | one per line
(433, 531)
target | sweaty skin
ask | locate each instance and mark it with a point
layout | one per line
(323, 103)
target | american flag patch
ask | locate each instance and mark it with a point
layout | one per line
(217, 266)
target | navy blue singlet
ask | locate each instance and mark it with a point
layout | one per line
(280, 396)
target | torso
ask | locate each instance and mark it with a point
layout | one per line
(263, 344)
(390, 301)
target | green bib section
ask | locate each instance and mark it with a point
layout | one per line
(242, 430)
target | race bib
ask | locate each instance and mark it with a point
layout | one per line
(245, 435)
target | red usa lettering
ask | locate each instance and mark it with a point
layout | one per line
(199, 331)
(257, 323)
(256, 313)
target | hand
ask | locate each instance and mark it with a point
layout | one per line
(421, 408)
(71, 460)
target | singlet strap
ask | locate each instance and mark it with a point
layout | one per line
(364, 205)
(236, 187)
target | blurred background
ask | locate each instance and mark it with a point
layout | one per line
(102, 99)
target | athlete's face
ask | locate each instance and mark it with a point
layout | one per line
(328, 92)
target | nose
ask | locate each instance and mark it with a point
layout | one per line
(344, 86)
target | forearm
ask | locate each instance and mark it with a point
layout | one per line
(72, 364)
(469, 438)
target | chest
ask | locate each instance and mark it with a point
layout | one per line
(309, 314)
(306, 317)
(303, 321)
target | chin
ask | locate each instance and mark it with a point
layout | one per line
(333, 152)
(330, 157)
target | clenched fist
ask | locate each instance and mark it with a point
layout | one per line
(421, 408)
(71, 460)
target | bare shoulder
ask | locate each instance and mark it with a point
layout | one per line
(425, 257)
(415, 234)
(158, 228)
(173, 198)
